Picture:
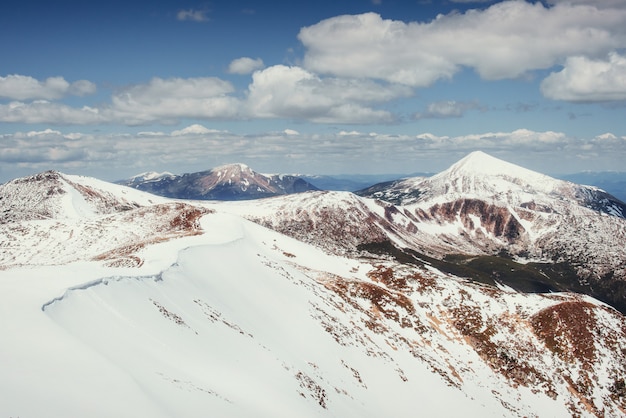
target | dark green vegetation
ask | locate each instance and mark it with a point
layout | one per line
(501, 269)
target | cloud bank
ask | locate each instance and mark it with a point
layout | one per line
(196, 148)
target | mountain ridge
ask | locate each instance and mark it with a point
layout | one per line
(488, 177)
(234, 181)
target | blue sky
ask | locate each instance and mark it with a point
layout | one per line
(117, 88)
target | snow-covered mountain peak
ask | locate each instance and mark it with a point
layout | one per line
(481, 175)
(481, 164)
(233, 170)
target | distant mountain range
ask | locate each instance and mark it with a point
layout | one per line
(484, 290)
(172, 185)
(227, 182)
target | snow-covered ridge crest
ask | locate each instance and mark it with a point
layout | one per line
(53, 195)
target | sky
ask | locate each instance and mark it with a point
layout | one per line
(112, 89)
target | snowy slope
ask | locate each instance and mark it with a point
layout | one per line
(243, 321)
(248, 323)
(223, 315)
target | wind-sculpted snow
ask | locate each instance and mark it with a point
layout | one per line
(261, 325)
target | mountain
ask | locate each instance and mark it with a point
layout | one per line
(483, 206)
(227, 182)
(484, 176)
(116, 302)
(52, 195)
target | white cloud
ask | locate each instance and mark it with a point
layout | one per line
(42, 111)
(167, 100)
(295, 93)
(588, 80)
(194, 129)
(82, 88)
(506, 40)
(158, 101)
(193, 15)
(276, 92)
(20, 87)
(447, 109)
(45, 132)
(245, 65)
(291, 132)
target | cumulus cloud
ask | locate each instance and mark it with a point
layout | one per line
(43, 111)
(295, 93)
(20, 87)
(192, 15)
(158, 101)
(245, 65)
(505, 40)
(194, 129)
(587, 80)
(167, 100)
(275, 92)
(447, 109)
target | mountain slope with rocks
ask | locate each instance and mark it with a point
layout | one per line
(482, 206)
